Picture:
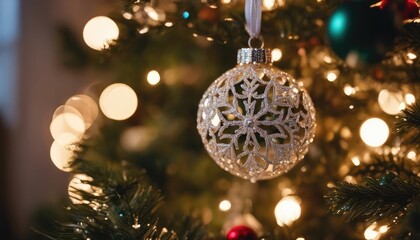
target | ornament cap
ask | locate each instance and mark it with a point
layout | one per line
(254, 55)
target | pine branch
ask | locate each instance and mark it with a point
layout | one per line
(408, 125)
(374, 199)
(389, 163)
(122, 207)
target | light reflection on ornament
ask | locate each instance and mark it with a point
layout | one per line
(99, 31)
(374, 132)
(287, 210)
(61, 156)
(225, 205)
(409, 98)
(153, 77)
(118, 101)
(391, 102)
(276, 54)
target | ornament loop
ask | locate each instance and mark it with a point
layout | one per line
(256, 42)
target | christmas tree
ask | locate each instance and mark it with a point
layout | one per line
(140, 171)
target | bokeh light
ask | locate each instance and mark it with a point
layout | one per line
(374, 132)
(287, 210)
(85, 105)
(67, 126)
(118, 101)
(61, 156)
(391, 102)
(276, 54)
(99, 32)
(225, 205)
(409, 98)
(153, 77)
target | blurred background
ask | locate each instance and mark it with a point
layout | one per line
(33, 82)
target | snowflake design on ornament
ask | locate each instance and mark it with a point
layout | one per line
(256, 121)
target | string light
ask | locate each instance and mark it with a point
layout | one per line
(355, 160)
(411, 155)
(67, 126)
(84, 105)
(118, 101)
(391, 102)
(332, 76)
(349, 90)
(409, 98)
(374, 132)
(226, 1)
(225, 205)
(153, 77)
(99, 32)
(61, 156)
(287, 210)
(268, 4)
(276, 54)
(411, 55)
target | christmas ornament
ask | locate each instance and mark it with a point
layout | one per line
(360, 34)
(255, 120)
(407, 9)
(241, 233)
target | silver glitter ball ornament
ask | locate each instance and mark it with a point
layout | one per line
(255, 120)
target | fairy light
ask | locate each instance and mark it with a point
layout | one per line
(331, 76)
(153, 77)
(287, 210)
(374, 132)
(411, 55)
(143, 30)
(412, 155)
(268, 4)
(391, 102)
(169, 24)
(355, 160)
(118, 101)
(276, 54)
(61, 156)
(349, 90)
(67, 126)
(99, 31)
(300, 238)
(226, 1)
(225, 205)
(383, 229)
(409, 98)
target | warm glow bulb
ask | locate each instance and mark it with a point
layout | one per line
(226, 1)
(287, 210)
(118, 101)
(391, 102)
(276, 54)
(370, 233)
(80, 182)
(225, 205)
(268, 4)
(153, 77)
(374, 132)
(85, 105)
(61, 156)
(67, 126)
(409, 98)
(99, 31)
(331, 76)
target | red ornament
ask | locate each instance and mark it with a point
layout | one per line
(407, 9)
(241, 232)
(209, 14)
